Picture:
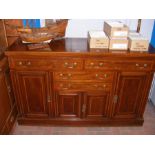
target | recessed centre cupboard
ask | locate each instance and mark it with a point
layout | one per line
(69, 84)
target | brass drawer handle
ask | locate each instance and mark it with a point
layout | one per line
(100, 86)
(66, 64)
(67, 76)
(141, 67)
(67, 87)
(105, 76)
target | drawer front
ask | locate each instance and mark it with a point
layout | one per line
(119, 65)
(73, 64)
(59, 64)
(137, 66)
(98, 64)
(59, 85)
(92, 76)
(31, 64)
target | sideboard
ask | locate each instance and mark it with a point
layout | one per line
(69, 84)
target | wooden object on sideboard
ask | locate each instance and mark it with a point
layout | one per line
(8, 110)
(10, 26)
(3, 39)
(70, 85)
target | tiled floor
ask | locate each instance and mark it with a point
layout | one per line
(148, 128)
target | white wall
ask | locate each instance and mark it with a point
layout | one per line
(78, 28)
(147, 27)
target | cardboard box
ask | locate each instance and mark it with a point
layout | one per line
(118, 44)
(138, 43)
(98, 40)
(116, 29)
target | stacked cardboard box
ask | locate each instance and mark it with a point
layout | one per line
(98, 40)
(137, 42)
(117, 33)
(116, 37)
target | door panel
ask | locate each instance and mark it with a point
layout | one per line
(5, 106)
(68, 104)
(34, 93)
(130, 89)
(96, 104)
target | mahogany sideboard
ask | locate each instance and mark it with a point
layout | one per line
(69, 84)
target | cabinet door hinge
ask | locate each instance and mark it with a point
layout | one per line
(48, 99)
(115, 98)
(83, 108)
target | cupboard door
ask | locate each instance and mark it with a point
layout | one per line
(130, 91)
(5, 106)
(95, 104)
(34, 93)
(68, 104)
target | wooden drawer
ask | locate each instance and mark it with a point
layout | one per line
(119, 65)
(92, 76)
(71, 64)
(31, 64)
(98, 64)
(59, 85)
(137, 66)
(59, 64)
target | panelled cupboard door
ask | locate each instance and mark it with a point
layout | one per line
(95, 104)
(68, 104)
(130, 90)
(5, 106)
(34, 93)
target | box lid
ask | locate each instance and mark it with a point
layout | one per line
(97, 34)
(115, 24)
(138, 37)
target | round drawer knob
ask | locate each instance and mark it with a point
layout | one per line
(96, 75)
(145, 65)
(69, 75)
(66, 64)
(61, 74)
(0, 69)
(104, 86)
(20, 63)
(92, 64)
(100, 64)
(75, 63)
(105, 75)
(137, 65)
(28, 63)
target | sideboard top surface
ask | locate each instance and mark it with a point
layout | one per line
(70, 47)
